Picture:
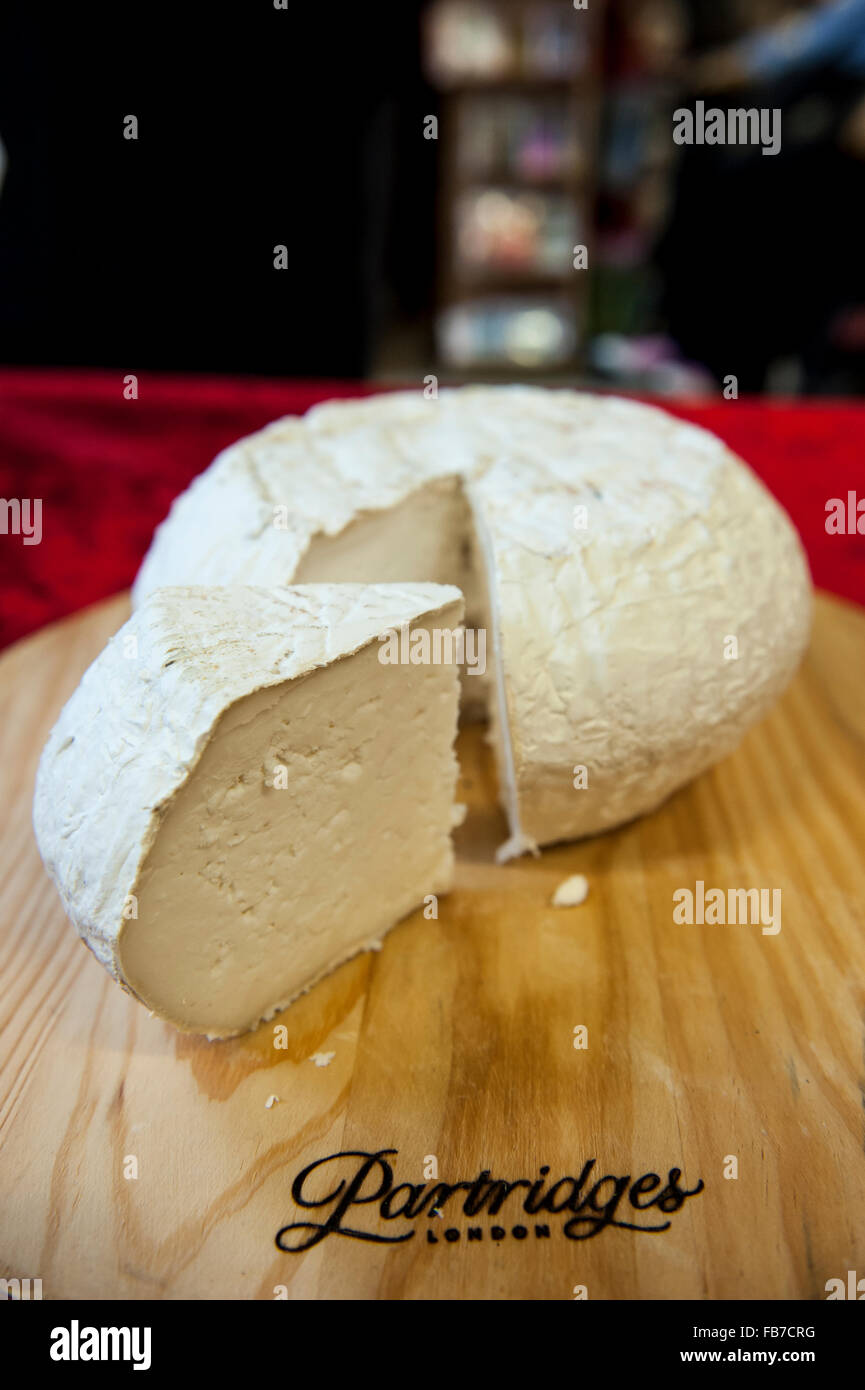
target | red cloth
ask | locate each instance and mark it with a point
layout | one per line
(106, 470)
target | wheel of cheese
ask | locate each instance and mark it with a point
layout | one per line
(644, 597)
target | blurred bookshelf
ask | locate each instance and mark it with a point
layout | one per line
(518, 84)
(554, 131)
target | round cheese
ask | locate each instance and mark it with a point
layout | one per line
(644, 596)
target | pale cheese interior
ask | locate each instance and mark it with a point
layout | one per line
(427, 533)
(427, 537)
(251, 892)
(432, 536)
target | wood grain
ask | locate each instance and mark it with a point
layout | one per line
(456, 1040)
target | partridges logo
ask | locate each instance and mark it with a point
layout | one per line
(339, 1187)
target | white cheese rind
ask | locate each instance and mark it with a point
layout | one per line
(133, 734)
(611, 639)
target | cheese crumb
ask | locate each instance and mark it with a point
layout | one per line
(322, 1059)
(270, 1102)
(572, 892)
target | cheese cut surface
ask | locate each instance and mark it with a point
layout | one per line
(241, 794)
(645, 598)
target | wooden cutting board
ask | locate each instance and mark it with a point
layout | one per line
(454, 1047)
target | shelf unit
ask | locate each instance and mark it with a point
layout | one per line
(517, 145)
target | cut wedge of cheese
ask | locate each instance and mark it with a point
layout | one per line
(645, 598)
(242, 793)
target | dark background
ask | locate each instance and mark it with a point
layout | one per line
(302, 127)
(257, 127)
(299, 127)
